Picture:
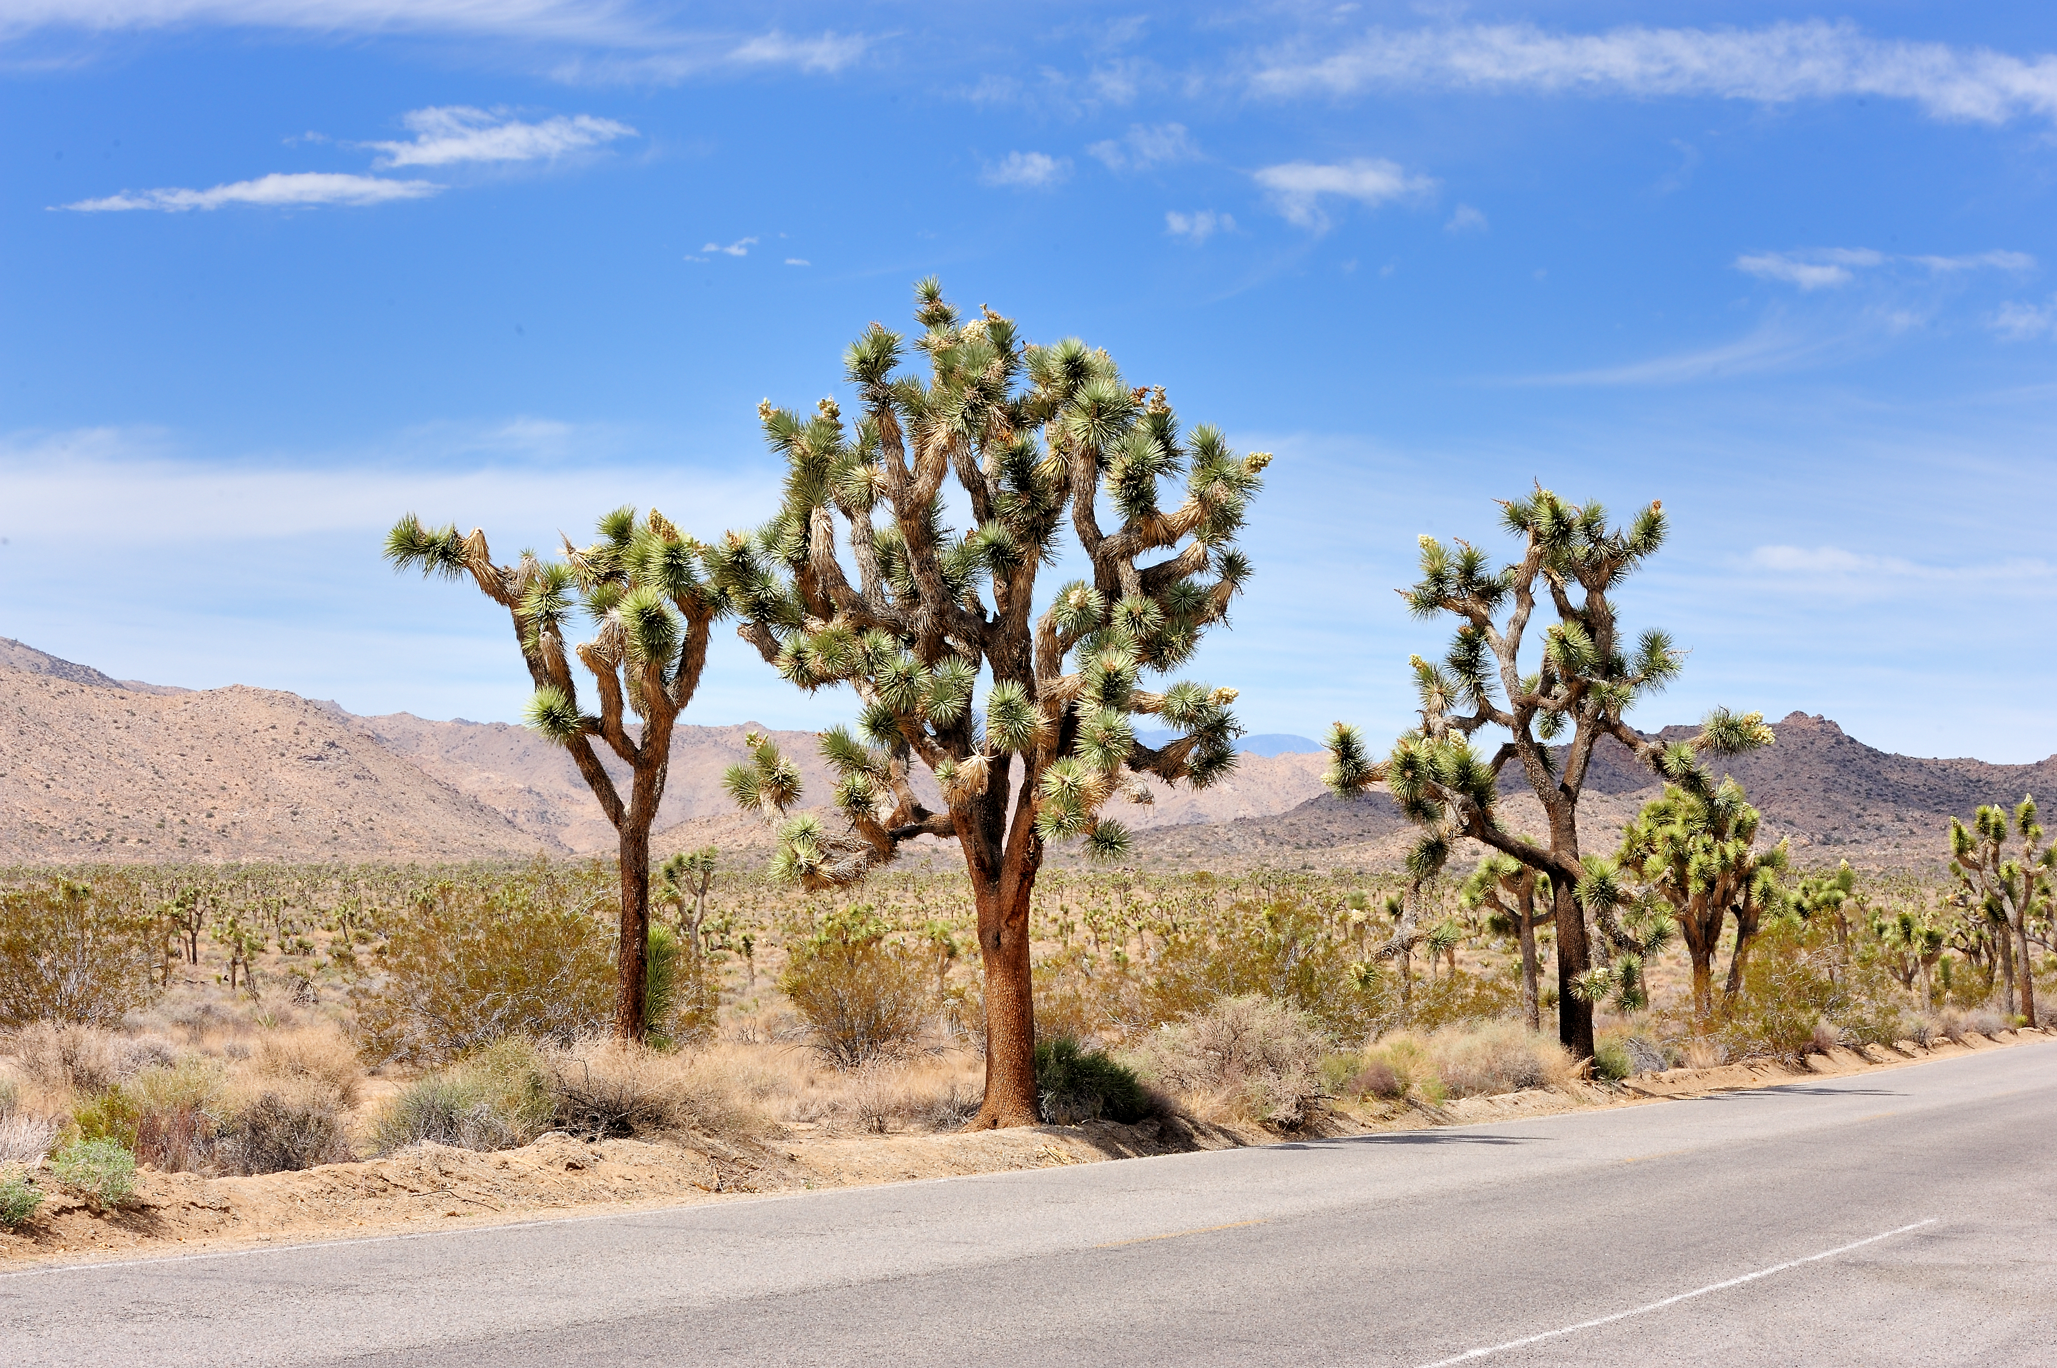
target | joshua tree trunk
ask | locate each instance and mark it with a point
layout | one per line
(2026, 968)
(2005, 942)
(1003, 930)
(1574, 957)
(1525, 922)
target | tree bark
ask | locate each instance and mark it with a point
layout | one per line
(2027, 965)
(1003, 930)
(1525, 920)
(2005, 940)
(1574, 957)
(632, 963)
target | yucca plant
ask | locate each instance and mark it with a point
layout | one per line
(2013, 893)
(1580, 682)
(1034, 438)
(642, 587)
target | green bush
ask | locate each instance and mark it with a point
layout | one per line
(1286, 953)
(862, 996)
(1611, 1059)
(19, 1198)
(100, 1170)
(66, 955)
(474, 964)
(1078, 1084)
(496, 1099)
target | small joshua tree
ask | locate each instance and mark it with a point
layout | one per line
(1582, 681)
(2014, 895)
(1694, 849)
(641, 586)
(1509, 888)
(1031, 436)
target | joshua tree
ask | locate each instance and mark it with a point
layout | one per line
(1583, 679)
(2014, 894)
(1509, 888)
(689, 876)
(1029, 435)
(1693, 848)
(642, 588)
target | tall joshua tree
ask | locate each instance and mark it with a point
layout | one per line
(1581, 680)
(641, 585)
(1031, 436)
(2014, 894)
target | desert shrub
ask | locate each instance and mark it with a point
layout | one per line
(66, 955)
(1496, 1057)
(495, 1099)
(102, 1171)
(474, 963)
(1611, 1059)
(614, 1088)
(166, 1113)
(1247, 1056)
(863, 996)
(19, 1198)
(1798, 978)
(1396, 1065)
(1955, 1023)
(1077, 1084)
(320, 1057)
(1463, 995)
(84, 1058)
(1286, 954)
(1079, 997)
(25, 1139)
(284, 1131)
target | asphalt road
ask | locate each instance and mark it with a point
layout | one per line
(1898, 1217)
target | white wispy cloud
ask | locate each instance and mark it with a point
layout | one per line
(2017, 322)
(1775, 64)
(609, 40)
(798, 261)
(1027, 171)
(830, 52)
(1837, 563)
(1466, 220)
(1145, 146)
(740, 247)
(278, 190)
(592, 21)
(448, 134)
(1769, 348)
(1199, 225)
(1816, 268)
(1298, 187)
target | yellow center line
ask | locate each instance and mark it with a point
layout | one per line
(1176, 1234)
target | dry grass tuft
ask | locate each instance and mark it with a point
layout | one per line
(315, 1054)
(607, 1087)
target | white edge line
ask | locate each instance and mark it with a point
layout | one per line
(1470, 1354)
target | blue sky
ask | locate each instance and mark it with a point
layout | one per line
(276, 271)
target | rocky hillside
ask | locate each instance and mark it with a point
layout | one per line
(1831, 796)
(95, 768)
(93, 772)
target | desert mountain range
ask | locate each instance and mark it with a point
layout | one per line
(95, 769)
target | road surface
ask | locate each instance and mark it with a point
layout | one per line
(1896, 1217)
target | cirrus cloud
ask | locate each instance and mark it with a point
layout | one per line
(448, 134)
(1776, 64)
(278, 190)
(1027, 171)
